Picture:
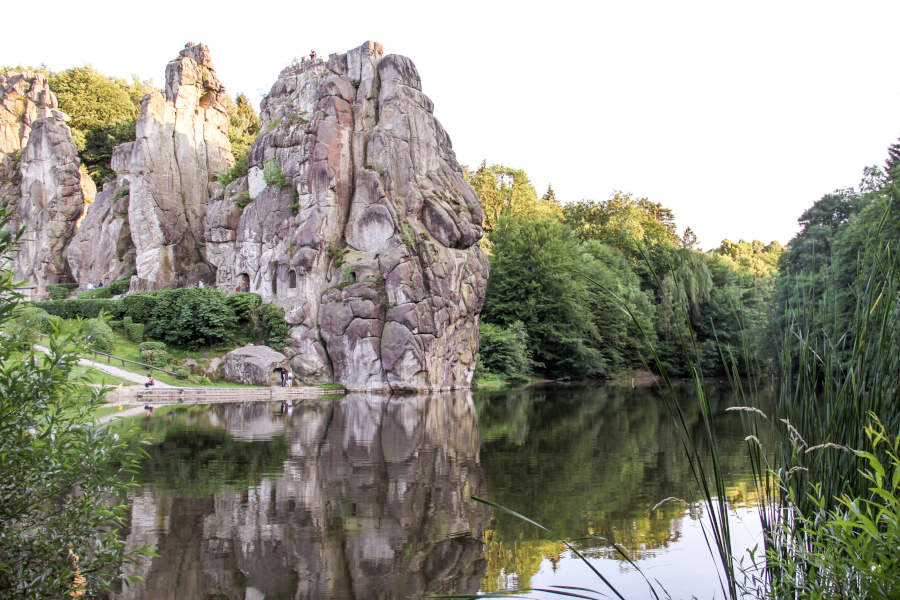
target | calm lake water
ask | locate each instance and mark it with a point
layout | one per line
(369, 497)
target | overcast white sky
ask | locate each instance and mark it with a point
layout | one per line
(736, 115)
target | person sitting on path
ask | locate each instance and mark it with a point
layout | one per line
(150, 381)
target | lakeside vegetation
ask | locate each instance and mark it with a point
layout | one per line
(543, 314)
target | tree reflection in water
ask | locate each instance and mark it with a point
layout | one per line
(593, 461)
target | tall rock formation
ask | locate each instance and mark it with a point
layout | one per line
(102, 248)
(40, 178)
(181, 145)
(357, 220)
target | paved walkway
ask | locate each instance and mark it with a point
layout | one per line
(111, 370)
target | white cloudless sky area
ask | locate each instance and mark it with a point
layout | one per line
(736, 115)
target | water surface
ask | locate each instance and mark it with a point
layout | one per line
(369, 496)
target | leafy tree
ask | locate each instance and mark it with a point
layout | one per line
(61, 474)
(103, 110)
(504, 350)
(243, 126)
(536, 279)
(505, 191)
(623, 222)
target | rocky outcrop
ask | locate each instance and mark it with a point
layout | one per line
(181, 145)
(25, 97)
(102, 248)
(359, 223)
(372, 500)
(26, 103)
(253, 365)
(52, 192)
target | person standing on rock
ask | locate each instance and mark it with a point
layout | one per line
(283, 377)
(290, 378)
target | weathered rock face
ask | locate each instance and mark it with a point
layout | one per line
(181, 145)
(52, 192)
(371, 501)
(25, 97)
(253, 365)
(102, 248)
(369, 237)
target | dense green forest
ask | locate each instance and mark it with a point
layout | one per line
(561, 275)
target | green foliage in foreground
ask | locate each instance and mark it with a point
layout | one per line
(61, 477)
(851, 549)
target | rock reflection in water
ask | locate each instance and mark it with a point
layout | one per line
(372, 502)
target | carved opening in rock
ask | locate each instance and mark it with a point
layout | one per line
(243, 283)
(292, 279)
(277, 374)
(274, 279)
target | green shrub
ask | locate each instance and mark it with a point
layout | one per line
(272, 174)
(238, 170)
(192, 318)
(134, 331)
(38, 319)
(504, 351)
(99, 335)
(243, 304)
(152, 346)
(95, 293)
(26, 323)
(275, 327)
(154, 353)
(242, 200)
(86, 309)
(121, 285)
(61, 291)
(294, 206)
(116, 323)
(140, 306)
(203, 380)
(120, 193)
(182, 373)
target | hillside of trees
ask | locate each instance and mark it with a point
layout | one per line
(588, 289)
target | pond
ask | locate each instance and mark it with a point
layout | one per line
(370, 496)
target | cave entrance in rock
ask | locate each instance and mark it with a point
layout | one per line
(274, 280)
(292, 279)
(243, 283)
(275, 379)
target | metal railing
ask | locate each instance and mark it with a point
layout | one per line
(134, 362)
